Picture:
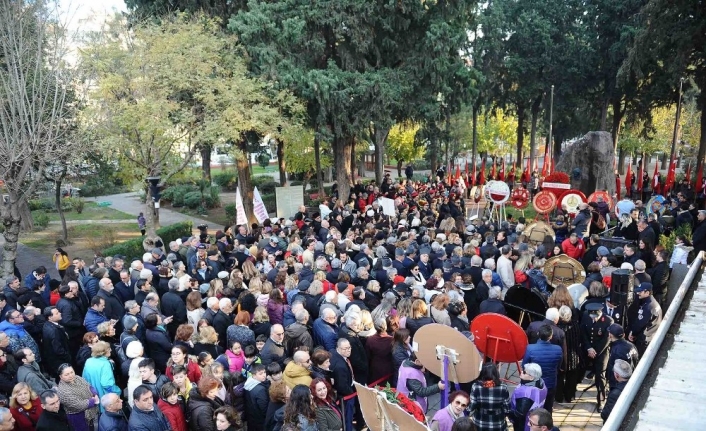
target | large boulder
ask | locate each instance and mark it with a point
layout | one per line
(589, 163)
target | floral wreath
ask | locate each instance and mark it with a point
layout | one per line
(403, 401)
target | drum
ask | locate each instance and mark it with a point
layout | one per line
(524, 305)
(564, 270)
(578, 293)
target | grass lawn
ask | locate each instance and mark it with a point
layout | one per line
(84, 240)
(91, 211)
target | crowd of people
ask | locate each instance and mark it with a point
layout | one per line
(268, 326)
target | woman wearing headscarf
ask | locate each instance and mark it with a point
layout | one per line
(79, 399)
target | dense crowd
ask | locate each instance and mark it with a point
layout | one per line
(268, 326)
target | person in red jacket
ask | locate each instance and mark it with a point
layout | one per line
(25, 407)
(172, 406)
(573, 246)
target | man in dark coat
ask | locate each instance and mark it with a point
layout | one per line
(620, 348)
(55, 348)
(222, 320)
(145, 416)
(173, 305)
(659, 275)
(549, 357)
(53, 417)
(273, 350)
(699, 236)
(594, 341)
(342, 373)
(644, 319)
(71, 315)
(621, 372)
(114, 307)
(358, 357)
(113, 416)
(256, 398)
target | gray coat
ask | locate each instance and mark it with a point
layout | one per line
(30, 374)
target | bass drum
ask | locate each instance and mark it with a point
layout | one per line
(524, 305)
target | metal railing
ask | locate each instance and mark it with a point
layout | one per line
(627, 397)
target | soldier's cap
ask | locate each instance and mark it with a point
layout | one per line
(594, 306)
(643, 286)
(616, 330)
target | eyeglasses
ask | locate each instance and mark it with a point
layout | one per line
(529, 422)
(459, 403)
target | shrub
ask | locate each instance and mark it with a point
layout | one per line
(77, 204)
(226, 180)
(231, 212)
(133, 248)
(192, 199)
(176, 194)
(267, 188)
(296, 183)
(270, 202)
(214, 193)
(259, 180)
(40, 219)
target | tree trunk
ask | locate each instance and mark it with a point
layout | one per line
(380, 139)
(701, 101)
(665, 161)
(206, 162)
(476, 108)
(11, 221)
(399, 167)
(618, 113)
(342, 155)
(282, 163)
(520, 133)
(151, 216)
(60, 210)
(245, 179)
(433, 154)
(604, 114)
(352, 163)
(536, 105)
(317, 157)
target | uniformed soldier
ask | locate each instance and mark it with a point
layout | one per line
(594, 341)
(644, 322)
(620, 348)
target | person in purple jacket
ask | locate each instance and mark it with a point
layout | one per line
(529, 395)
(444, 419)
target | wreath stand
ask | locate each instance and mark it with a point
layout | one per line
(500, 339)
(455, 359)
(382, 415)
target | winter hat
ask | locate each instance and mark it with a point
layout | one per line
(134, 349)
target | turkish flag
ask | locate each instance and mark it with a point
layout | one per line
(501, 174)
(473, 178)
(639, 176)
(700, 179)
(492, 171)
(481, 180)
(671, 176)
(628, 180)
(687, 176)
(617, 186)
(458, 171)
(526, 175)
(655, 179)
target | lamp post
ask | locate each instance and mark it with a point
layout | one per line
(676, 125)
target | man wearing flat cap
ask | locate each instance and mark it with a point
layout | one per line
(620, 348)
(594, 341)
(643, 322)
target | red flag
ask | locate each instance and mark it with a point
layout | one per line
(544, 163)
(466, 167)
(458, 171)
(671, 175)
(481, 180)
(492, 170)
(628, 179)
(617, 185)
(639, 176)
(526, 175)
(699, 178)
(473, 178)
(655, 179)
(511, 174)
(501, 174)
(687, 176)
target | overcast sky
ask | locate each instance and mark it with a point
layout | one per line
(80, 13)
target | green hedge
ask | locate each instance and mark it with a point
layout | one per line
(133, 248)
(226, 180)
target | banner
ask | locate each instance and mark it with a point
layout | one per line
(289, 199)
(259, 206)
(241, 218)
(388, 206)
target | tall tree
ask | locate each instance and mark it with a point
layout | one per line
(34, 112)
(160, 89)
(358, 62)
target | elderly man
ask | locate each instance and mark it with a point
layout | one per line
(325, 329)
(13, 327)
(573, 246)
(273, 350)
(358, 356)
(494, 303)
(699, 236)
(343, 380)
(222, 320)
(56, 342)
(7, 421)
(504, 266)
(297, 334)
(145, 417)
(298, 370)
(529, 395)
(621, 372)
(113, 416)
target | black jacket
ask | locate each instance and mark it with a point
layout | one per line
(173, 305)
(55, 348)
(256, 403)
(341, 372)
(50, 421)
(114, 308)
(71, 317)
(159, 348)
(612, 398)
(660, 275)
(358, 358)
(200, 411)
(221, 322)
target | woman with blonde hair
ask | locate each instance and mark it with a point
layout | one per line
(330, 250)
(25, 407)
(419, 317)
(194, 310)
(559, 297)
(98, 371)
(438, 309)
(255, 285)
(249, 271)
(261, 322)
(367, 328)
(404, 311)
(208, 342)
(215, 288)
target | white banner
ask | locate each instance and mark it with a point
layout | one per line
(259, 206)
(241, 218)
(388, 206)
(289, 199)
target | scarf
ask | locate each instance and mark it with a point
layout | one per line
(77, 397)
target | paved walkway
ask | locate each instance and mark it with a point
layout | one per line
(28, 260)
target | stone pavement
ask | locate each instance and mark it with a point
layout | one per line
(579, 415)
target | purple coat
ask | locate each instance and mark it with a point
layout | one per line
(526, 398)
(444, 419)
(407, 373)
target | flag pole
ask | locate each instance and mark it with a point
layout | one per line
(676, 125)
(549, 137)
